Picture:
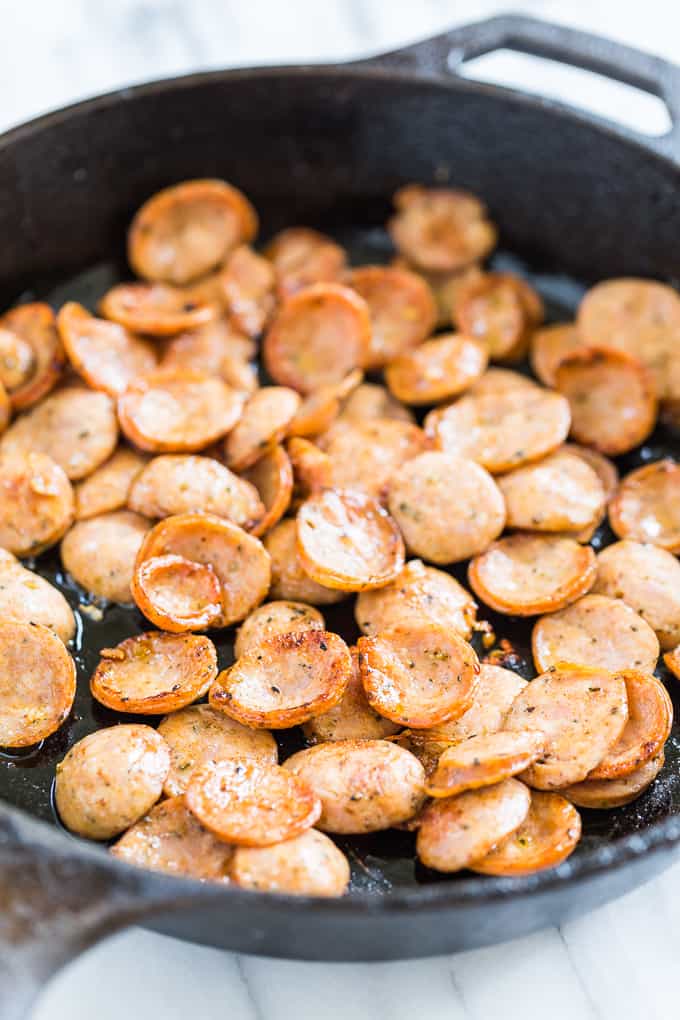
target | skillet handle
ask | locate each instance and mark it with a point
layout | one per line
(54, 903)
(445, 54)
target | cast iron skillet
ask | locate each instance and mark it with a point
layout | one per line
(573, 195)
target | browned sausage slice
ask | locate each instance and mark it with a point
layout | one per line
(155, 309)
(302, 257)
(364, 785)
(239, 560)
(546, 837)
(365, 455)
(650, 717)
(26, 597)
(312, 469)
(321, 407)
(17, 360)
(437, 370)
(285, 680)
(548, 348)
(309, 865)
(436, 525)
(183, 483)
(247, 283)
(274, 618)
(178, 412)
(76, 427)
(317, 337)
(455, 831)
(108, 487)
(170, 839)
(249, 803)
(177, 594)
(418, 675)
(199, 734)
(605, 794)
(559, 493)
(611, 396)
(212, 349)
(501, 310)
(503, 431)
(272, 477)
(581, 711)
(646, 507)
(499, 381)
(417, 594)
(37, 683)
(263, 423)
(100, 553)
(526, 574)
(440, 229)
(346, 540)
(595, 631)
(648, 579)
(185, 231)
(605, 469)
(483, 761)
(36, 503)
(371, 400)
(152, 673)
(105, 354)
(402, 309)
(289, 579)
(34, 327)
(110, 779)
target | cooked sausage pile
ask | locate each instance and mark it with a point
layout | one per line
(141, 440)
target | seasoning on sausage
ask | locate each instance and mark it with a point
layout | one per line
(36, 503)
(100, 553)
(37, 683)
(650, 717)
(546, 837)
(274, 618)
(484, 760)
(646, 507)
(605, 794)
(263, 423)
(605, 469)
(559, 493)
(309, 865)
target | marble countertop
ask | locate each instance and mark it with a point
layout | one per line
(615, 964)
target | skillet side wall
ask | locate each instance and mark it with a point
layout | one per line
(327, 148)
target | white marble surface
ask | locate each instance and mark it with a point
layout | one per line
(616, 964)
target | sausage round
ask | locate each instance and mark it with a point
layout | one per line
(108, 487)
(155, 309)
(274, 618)
(369, 401)
(35, 327)
(302, 257)
(272, 477)
(37, 683)
(440, 229)
(365, 455)
(650, 717)
(501, 310)
(605, 794)
(437, 370)
(402, 310)
(247, 283)
(36, 503)
(263, 423)
(646, 507)
(289, 579)
(105, 354)
(100, 553)
(483, 761)
(559, 493)
(549, 346)
(309, 865)
(26, 597)
(177, 594)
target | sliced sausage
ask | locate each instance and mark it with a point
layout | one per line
(417, 594)
(346, 540)
(302, 257)
(272, 477)
(309, 865)
(186, 230)
(317, 337)
(605, 469)
(105, 354)
(483, 761)
(559, 493)
(352, 718)
(448, 508)
(289, 579)
(365, 455)
(440, 229)
(17, 360)
(108, 487)
(263, 423)
(611, 396)
(595, 631)
(26, 597)
(250, 803)
(34, 327)
(152, 673)
(100, 553)
(274, 618)
(239, 560)
(648, 579)
(549, 346)
(437, 370)
(170, 839)
(526, 574)
(546, 837)
(650, 717)
(495, 691)
(503, 431)
(178, 412)
(418, 675)
(76, 427)
(501, 310)
(582, 713)
(371, 400)
(363, 785)
(36, 503)
(321, 407)
(37, 683)
(199, 734)
(605, 794)
(155, 309)
(212, 349)
(285, 680)
(247, 282)
(499, 381)
(110, 779)
(646, 507)
(183, 483)
(448, 287)
(402, 309)
(312, 469)
(177, 594)
(455, 831)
